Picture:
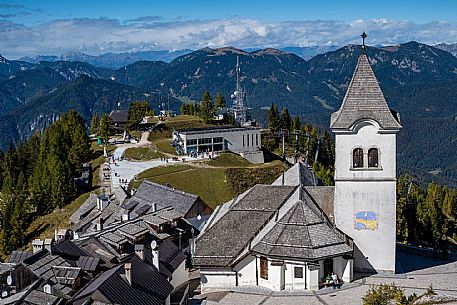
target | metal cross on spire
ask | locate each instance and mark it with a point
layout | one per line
(364, 35)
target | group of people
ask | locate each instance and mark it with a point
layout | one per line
(332, 279)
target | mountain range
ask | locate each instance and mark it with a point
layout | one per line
(418, 80)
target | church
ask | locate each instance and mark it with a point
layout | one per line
(295, 232)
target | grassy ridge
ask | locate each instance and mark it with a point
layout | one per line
(144, 153)
(208, 183)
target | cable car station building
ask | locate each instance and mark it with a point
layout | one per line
(245, 141)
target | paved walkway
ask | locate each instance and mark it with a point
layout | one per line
(123, 171)
(419, 274)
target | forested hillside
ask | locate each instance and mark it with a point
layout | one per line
(419, 81)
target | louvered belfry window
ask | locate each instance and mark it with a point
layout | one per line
(264, 268)
(373, 157)
(357, 158)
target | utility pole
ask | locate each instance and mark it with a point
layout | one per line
(283, 133)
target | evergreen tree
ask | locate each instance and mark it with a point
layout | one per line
(105, 128)
(207, 111)
(450, 203)
(220, 101)
(80, 146)
(7, 206)
(285, 119)
(296, 124)
(137, 111)
(19, 216)
(273, 118)
(327, 151)
(94, 124)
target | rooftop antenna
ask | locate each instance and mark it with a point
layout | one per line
(364, 35)
(239, 98)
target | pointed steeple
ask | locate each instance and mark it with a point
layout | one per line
(363, 100)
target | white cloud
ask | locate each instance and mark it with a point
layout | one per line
(96, 36)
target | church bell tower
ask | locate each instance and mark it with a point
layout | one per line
(365, 170)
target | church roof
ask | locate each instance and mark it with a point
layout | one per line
(229, 234)
(363, 100)
(299, 174)
(303, 234)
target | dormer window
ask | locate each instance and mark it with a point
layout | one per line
(373, 157)
(357, 158)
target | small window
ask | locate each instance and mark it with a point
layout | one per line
(243, 140)
(373, 157)
(357, 158)
(247, 136)
(298, 272)
(264, 268)
(257, 139)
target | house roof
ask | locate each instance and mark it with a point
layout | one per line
(36, 297)
(225, 238)
(363, 100)
(67, 247)
(84, 209)
(66, 275)
(301, 234)
(150, 193)
(88, 263)
(212, 129)
(148, 286)
(18, 256)
(119, 116)
(42, 264)
(170, 255)
(323, 196)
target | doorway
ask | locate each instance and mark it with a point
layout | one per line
(328, 267)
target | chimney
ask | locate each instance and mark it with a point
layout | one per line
(99, 224)
(125, 215)
(37, 245)
(154, 206)
(155, 254)
(139, 251)
(128, 272)
(48, 245)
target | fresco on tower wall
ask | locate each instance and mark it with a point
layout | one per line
(365, 220)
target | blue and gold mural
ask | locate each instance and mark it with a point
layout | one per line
(366, 220)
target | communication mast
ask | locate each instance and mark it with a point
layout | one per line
(239, 107)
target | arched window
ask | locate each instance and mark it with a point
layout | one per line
(373, 157)
(357, 158)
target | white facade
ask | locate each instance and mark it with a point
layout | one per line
(365, 197)
(245, 141)
(282, 275)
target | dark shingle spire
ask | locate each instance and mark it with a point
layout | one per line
(363, 100)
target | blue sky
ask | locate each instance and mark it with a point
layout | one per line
(31, 27)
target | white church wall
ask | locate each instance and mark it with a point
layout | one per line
(217, 279)
(246, 271)
(352, 200)
(366, 137)
(313, 277)
(343, 268)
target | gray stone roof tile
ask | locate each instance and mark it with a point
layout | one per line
(150, 193)
(363, 100)
(223, 240)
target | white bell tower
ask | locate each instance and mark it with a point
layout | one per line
(365, 170)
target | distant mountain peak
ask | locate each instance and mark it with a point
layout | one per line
(271, 51)
(229, 49)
